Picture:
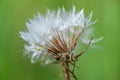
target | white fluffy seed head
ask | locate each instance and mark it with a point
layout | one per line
(40, 30)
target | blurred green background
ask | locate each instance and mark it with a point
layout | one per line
(96, 64)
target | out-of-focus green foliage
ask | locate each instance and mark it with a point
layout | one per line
(97, 64)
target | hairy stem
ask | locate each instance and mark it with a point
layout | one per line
(65, 67)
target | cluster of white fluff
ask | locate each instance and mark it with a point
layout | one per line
(40, 30)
